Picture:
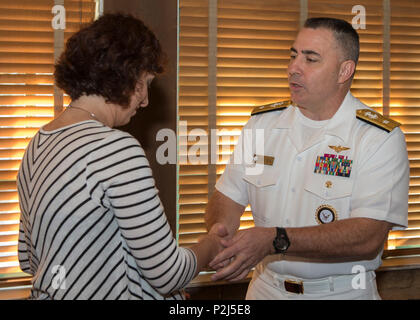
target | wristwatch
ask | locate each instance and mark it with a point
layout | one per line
(281, 242)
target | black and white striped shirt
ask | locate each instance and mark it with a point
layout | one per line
(92, 225)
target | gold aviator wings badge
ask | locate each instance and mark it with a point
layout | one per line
(338, 149)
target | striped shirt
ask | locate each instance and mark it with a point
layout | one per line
(92, 225)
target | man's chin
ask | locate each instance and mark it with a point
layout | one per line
(297, 100)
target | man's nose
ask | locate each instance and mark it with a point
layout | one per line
(294, 67)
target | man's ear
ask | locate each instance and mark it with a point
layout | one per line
(346, 71)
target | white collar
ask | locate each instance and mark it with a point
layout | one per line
(339, 125)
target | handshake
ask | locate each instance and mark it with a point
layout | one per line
(233, 256)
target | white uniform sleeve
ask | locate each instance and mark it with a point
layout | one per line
(380, 190)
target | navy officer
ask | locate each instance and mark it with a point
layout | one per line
(334, 181)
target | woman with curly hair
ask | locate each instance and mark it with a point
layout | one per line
(92, 224)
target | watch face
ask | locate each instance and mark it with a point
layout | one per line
(281, 242)
(325, 214)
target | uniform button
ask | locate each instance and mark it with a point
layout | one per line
(293, 189)
(298, 158)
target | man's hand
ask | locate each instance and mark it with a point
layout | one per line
(246, 249)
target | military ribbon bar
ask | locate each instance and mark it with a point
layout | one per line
(333, 165)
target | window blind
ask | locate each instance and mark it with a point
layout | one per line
(193, 116)
(253, 49)
(26, 98)
(405, 107)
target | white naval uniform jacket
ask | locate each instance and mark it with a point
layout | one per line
(289, 193)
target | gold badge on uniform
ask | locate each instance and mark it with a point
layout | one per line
(328, 184)
(325, 214)
(266, 160)
(338, 149)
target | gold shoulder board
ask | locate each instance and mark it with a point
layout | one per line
(377, 119)
(271, 107)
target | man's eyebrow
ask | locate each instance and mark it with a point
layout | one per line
(306, 52)
(311, 52)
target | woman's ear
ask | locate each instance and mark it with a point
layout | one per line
(346, 71)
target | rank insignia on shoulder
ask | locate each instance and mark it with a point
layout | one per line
(377, 119)
(271, 107)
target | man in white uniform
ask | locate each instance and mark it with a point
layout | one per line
(328, 180)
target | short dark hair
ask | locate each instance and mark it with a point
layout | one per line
(107, 57)
(345, 35)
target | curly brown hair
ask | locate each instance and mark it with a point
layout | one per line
(107, 57)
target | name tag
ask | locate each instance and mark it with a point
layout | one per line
(265, 160)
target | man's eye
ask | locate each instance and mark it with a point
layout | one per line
(292, 56)
(310, 60)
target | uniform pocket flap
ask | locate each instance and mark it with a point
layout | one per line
(262, 180)
(329, 187)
